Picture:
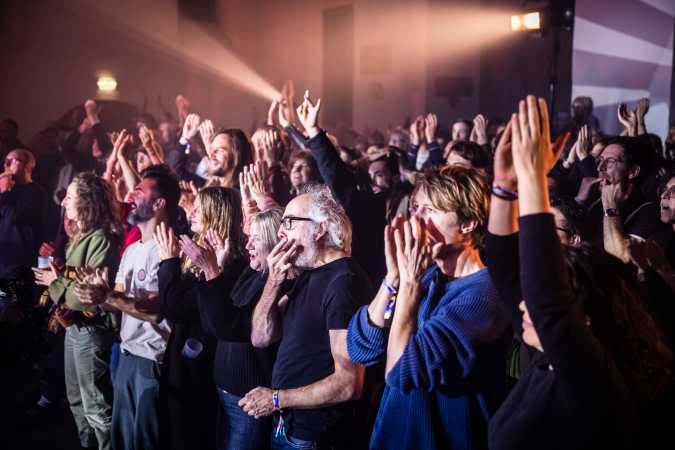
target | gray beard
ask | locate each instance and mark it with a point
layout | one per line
(307, 258)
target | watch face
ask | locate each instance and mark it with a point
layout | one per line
(611, 212)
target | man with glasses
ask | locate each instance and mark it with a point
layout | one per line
(622, 211)
(22, 207)
(313, 379)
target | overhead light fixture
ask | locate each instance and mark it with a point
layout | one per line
(526, 22)
(106, 83)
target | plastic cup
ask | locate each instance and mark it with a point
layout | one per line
(192, 348)
(44, 261)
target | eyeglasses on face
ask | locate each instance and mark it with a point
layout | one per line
(287, 221)
(610, 161)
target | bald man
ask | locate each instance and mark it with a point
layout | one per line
(22, 207)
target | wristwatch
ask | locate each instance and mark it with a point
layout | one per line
(611, 212)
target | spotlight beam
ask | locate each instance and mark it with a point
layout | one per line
(151, 21)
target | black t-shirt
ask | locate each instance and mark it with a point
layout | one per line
(322, 299)
(639, 217)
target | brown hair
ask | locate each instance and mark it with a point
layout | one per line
(96, 206)
(459, 190)
(221, 211)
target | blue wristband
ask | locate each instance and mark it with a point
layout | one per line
(504, 194)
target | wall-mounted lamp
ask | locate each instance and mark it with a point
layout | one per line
(106, 83)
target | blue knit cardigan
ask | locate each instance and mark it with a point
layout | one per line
(451, 376)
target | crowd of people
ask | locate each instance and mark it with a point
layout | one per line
(472, 286)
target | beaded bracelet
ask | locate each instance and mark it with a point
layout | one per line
(389, 310)
(280, 425)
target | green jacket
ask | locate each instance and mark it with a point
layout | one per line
(94, 249)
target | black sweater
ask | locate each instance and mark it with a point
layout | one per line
(226, 307)
(178, 304)
(366, 210)
(573, 396)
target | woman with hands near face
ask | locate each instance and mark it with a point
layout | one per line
(435, 305)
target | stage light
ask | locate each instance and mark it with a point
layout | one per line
(532, 21)
(106, 83)
(526, 22)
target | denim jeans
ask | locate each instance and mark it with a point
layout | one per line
(114, 359)
(236, 430)
(285, 442)
(136, 410)
(86, 357)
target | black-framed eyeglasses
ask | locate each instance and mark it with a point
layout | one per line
(610, 161)
(287, 221)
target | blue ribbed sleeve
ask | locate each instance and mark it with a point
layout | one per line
(443, 351)
(366, 343)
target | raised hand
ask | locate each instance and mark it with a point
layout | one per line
(188, 194)
(284, 114)
(206, 132)
(92, 111)
(203, 256)
(85, 125)
(256, 176)
(191, 126)
(220, 245)
(146, 137)
(244, 188)
(642, 108)
(413, 255)
(430, 126)
(270, 146)
(167, 245)
(270, 112)
(183, 108)
(533, 154)
(641, 111)
(287, 103)
(628, 119)
(392, 278)
(583, 144)
(504, 173)
(308, 115)
(415, 130)
(479, 131)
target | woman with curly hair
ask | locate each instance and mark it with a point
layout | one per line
(598, 361)
(91, 205)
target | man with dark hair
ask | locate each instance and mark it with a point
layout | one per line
(622, 210)
(461, 130)
(144, 334)
(22, 207)
(469, 155)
